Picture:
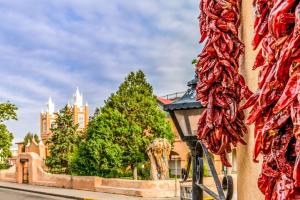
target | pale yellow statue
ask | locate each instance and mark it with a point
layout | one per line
(159, 153)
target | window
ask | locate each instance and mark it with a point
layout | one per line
(44, 128)
(52, 124)
(81, 120)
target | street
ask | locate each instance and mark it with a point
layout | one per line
(7, 194)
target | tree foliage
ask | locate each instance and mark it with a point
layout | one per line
(62, 143)
(99, 154)
(7, 112)
(118, 137)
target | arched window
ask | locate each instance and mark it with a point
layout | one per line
(81, 120)
(44, 128)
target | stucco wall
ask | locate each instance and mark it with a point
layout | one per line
(37, 176)
(248, 171)
(8, 175)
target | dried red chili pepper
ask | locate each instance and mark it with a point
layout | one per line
(276, 104)
(290, 93)
(262, 11)
(278, 14)
(221, 88)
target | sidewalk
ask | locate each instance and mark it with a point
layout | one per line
(73, 194)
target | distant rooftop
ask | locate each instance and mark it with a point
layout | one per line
(170, 98)
(174, 96)
(164, 101)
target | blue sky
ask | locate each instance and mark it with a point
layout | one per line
(48, 48)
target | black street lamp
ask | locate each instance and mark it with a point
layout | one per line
(185, 114)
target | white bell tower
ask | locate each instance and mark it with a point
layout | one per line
(50, 106)
(78, 99)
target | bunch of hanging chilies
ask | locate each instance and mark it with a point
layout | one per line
(275, 106)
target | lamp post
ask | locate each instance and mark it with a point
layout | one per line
(185, 114)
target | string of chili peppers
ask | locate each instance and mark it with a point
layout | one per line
(220, 87)
(276, 104)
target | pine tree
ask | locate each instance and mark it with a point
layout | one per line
(7, 112)
(62, 143)
(138, 121)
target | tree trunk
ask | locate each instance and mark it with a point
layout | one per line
(153, 170)
(135, 175)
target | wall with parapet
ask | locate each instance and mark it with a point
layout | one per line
(37, 176)
(8, 175)
(141, 188)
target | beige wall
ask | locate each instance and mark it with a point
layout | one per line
(179, 147)
(248, 171)
(37, 176)
(8, 175)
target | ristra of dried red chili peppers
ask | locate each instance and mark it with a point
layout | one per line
(262, 12)
(221, 88)
(275, 105)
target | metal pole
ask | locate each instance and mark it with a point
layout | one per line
(175, 177)
(197, 191)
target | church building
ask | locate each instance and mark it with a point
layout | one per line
(80, 114)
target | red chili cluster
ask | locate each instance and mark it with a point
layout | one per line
(221, 88)
(276, 104)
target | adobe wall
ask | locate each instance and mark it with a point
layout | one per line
(247, 170)
(162, 188)
(141, 188)
(33, 147)
(37, 176)
(8, 175)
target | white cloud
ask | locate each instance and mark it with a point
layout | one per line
(49, 48)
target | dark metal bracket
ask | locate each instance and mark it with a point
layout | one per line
(224, 188)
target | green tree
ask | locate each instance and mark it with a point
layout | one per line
(28, 138)
(7, 112)
(62, 143)
(99, 154)
(131, 120)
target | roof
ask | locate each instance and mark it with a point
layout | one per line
(187, 101)
(164, 101)
(19, 143)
